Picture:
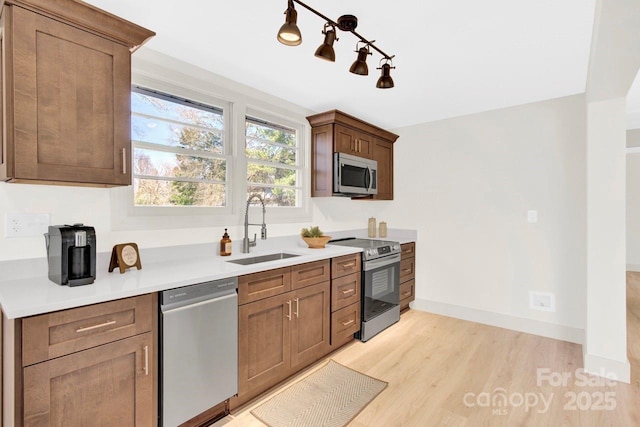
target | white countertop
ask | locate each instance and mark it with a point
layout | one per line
(26, 290)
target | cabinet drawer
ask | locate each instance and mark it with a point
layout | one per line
(347, 264)
(310, 273)
(407, 290)
(345, 291)
(344, 323)
(407, 269)
(408, 249)
(256, 286)
(51, 335)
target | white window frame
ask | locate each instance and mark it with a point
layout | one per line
(126, 216)
(301, 210)
(226, 155)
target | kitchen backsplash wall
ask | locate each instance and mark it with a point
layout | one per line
(92, 206)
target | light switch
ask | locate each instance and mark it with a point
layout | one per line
(532, 216)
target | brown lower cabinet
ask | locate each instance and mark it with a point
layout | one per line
(107, 385)
(280, 334)
(407, 275)
(315, 310)
(88, 366)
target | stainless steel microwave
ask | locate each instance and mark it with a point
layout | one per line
(354, 176)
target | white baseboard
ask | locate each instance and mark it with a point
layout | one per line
(608, 368)
(530, 326)
(633, 267)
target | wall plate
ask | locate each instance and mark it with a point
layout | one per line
(22, 224)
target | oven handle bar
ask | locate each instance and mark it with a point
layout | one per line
(380, 262)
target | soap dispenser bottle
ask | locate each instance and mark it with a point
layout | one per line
(225, 244)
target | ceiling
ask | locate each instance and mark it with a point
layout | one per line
(453, 57)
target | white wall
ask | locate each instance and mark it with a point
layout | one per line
(613, 64)
(605, 347)
(633, 201)
(467, 183)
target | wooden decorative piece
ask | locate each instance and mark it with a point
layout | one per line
(124, 256)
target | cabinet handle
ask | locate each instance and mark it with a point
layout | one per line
(406, 294)
(297, 307)
(289, 315)
(351, 264)
(88, 328)
(348, 291)
(359, 145)
(406, 270)
(124, 161)
(146, 360)
(348, 323)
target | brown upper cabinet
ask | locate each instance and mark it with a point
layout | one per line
(336, 132)
(66, 80)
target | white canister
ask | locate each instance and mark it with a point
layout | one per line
(382, 232)
(372, 227)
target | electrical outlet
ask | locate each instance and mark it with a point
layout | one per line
(532, 217)
(544, 301)
(26, 224)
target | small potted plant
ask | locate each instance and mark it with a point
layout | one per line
(314, 237)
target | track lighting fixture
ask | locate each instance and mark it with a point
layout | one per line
(360, 64)
(290, 35)
(325, 51)
(385, 81)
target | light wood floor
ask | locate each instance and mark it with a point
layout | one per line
(437, 367)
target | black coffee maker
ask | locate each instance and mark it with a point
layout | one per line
(71, 250)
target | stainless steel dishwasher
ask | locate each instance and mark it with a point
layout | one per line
(199, 349)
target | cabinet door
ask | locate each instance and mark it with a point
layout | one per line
(109, 385)
(345, 140)
(365, 145)
(310, 332)
(353, 142)
(71, 103)
(383, 154)
(264, 355)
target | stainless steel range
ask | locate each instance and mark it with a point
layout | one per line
(380, 283)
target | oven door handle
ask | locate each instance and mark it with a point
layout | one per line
(381, 262)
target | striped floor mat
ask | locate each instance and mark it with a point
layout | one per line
(329, 397)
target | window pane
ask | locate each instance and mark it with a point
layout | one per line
(273, 133)
(164, 109)
(274, 146)
(152, 192)
(160, 132)
(260, 150)
(162, 128)
(262, 174)
(172, 165)
(275, 196)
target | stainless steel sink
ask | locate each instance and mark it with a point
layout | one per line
(263, 258)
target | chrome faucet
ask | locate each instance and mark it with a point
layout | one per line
(246, 243)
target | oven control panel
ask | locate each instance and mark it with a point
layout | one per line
(382, 250)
